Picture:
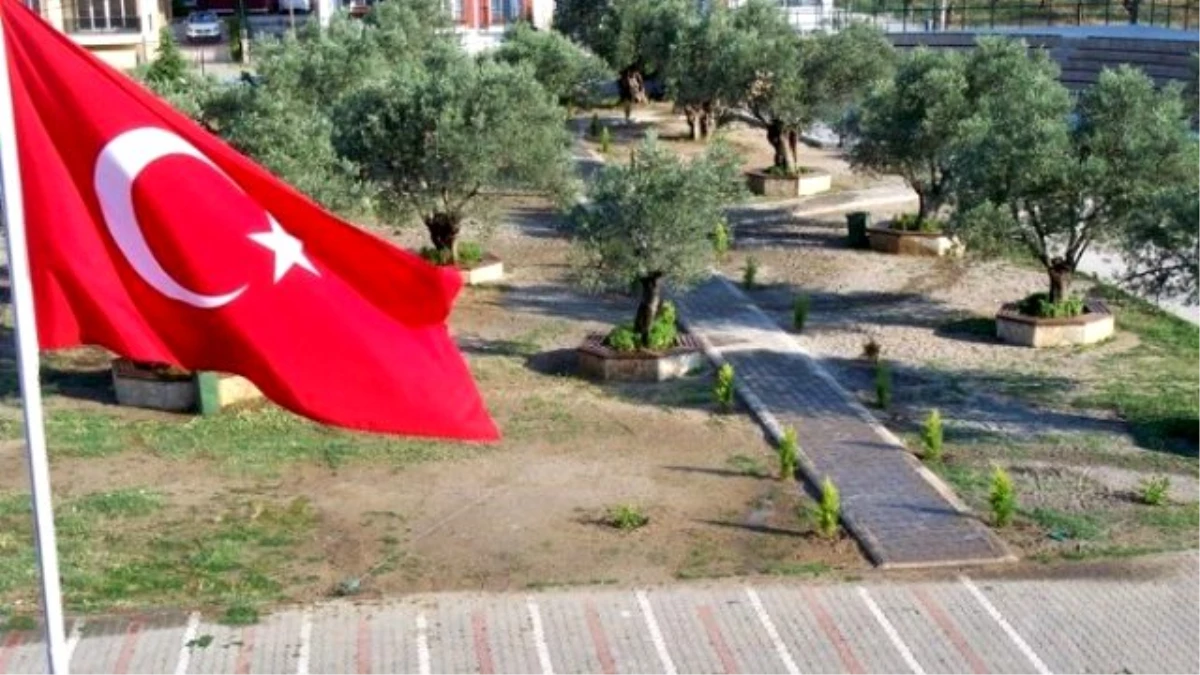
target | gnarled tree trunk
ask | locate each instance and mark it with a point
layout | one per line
(649, 304)
(1060, 272)
(778, 140)
(443, 232)
(693, 121)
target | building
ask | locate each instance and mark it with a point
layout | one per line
(481, 24)
(121, 32)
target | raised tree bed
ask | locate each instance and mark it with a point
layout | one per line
(598, 360)
(489, 270)
(160, 387)
(1095, 324)
(785, 187)
(911, 242)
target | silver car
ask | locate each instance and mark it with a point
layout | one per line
(203, 26)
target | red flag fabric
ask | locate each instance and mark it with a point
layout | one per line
(151, 237)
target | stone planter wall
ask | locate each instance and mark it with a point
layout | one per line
(1094, 325)
(599, 361)
(487, 271)
(205, 392)
(782, 187)
(900, 242)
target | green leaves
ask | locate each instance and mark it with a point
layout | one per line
(567, 71)
(654, 216)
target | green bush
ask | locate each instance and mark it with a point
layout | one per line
(594, 126)
(789, 451)
(910, 223)
(1154, 490)
(723, 389)
(931, 436)
(1039, 305)
(469, 253)
(626, 517)
(829, 509)
(663, 332)
(721, 239)
(605, 140)
(800, 311)
(1002, 498)
(622, 338)
(666, 313)
(883, 385)
(750, 274)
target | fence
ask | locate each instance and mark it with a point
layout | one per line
(926, 15)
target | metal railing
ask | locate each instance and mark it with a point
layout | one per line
(929, 15)
(102, 24)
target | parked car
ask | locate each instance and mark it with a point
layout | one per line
(203, 26)
(303, 6)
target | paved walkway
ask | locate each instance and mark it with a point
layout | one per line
(895, 507)
(1142, 618)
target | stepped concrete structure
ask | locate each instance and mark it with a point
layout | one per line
(1083, 51)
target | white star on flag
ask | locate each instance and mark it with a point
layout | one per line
(287, 249)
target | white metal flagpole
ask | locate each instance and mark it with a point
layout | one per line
(25, 326)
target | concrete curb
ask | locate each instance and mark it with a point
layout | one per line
(772, 426)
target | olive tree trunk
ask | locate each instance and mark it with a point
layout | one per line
(1060, 272)
(778, 140)
(443, 232)
(648, 306)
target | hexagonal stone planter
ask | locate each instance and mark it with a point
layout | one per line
(783, 187)
(487, 271)
(1095, 324)
(604, 363)
(902, 242)
(158, 388)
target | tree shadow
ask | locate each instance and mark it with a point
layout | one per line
(779, 228)
(561, 301)
(723, 473)
(539, 223)
(848, 310)
(756, 528)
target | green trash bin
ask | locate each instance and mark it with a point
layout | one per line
(857, 223)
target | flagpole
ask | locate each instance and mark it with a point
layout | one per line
(25, 327)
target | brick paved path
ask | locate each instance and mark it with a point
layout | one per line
(1142, 618)
(896, 508)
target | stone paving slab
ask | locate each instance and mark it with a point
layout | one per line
(1144, 620)
(900, 512)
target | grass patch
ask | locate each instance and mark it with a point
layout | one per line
(748, 466)
(240, 614)
(798, 569)
(1059, 524)
(1173, 518)
(1152, 386)
(259, 439)
(114, 554)
(20, 622)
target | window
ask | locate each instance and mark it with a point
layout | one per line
(455, 7)
(505, 11)
(102, 15)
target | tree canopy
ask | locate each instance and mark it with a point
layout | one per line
(910, 125)
(649, 222)
(431, 138)
(1027, 172)
(571, 73)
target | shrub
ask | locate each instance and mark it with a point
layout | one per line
(626, 517)
(666, 313)
(1154, 490)
(605, 140)
(788, 453)
(911, 222)
(931, 436)
(829, 509)
(872, 350)
(1039, 305)
(750, 274)
(469, 253)
(723, 389)
(800, 311)
(721, 240)
(662, 335)
(594, 126)
(883, 385)
(1002, 498)
(622, 338)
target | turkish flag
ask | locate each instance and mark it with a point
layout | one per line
(151, 237)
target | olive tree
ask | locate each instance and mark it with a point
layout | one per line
(910, 125)
(648, 223)
(429, 139)
(1162, 247)
(707, 73)
(568, 71)
(1029, 174)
